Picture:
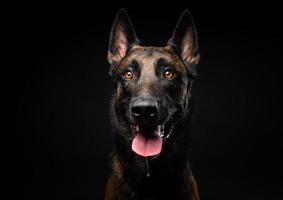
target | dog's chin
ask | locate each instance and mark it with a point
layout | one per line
(148, 139)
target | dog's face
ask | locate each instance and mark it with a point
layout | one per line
(152, 83)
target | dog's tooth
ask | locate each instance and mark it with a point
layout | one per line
(157, 130)
(137, 128)
(163, 129)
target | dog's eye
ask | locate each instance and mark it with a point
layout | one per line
(168, 74)
(128, 75)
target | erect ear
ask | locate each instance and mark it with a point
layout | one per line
(121, 39)
(184, 41)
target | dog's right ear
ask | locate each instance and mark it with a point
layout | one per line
(122, 38)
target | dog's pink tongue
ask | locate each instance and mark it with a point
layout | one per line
(147, 146)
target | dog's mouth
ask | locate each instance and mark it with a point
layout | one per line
(148, 140)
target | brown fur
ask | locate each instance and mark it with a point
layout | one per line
(172, 177)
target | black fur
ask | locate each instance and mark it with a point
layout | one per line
(170, 173)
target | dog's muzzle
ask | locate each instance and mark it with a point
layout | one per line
(148, 129)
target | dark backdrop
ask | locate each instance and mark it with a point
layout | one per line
(59, 139)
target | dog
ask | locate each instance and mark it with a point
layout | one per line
(150, 113)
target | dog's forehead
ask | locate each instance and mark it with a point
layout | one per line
(148, 56)
(150, 51)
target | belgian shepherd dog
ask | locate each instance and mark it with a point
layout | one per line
(150, 113)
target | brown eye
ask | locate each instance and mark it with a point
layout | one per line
(128, 75)
(168, 74)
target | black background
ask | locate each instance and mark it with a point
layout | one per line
(58, 143)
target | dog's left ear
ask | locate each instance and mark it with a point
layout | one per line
(185, 41)
(122, 38)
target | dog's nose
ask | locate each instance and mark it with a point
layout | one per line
(144, 108)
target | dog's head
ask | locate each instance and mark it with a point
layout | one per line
(152, 83)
